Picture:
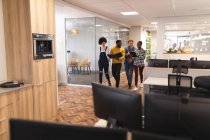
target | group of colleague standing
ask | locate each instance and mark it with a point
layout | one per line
(132, 63)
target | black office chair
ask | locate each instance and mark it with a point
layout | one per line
(180, 69)
(179, 84)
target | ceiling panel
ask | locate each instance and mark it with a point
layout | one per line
(192, 7)
(148, 9)
(152, 8)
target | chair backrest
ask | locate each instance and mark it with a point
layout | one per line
(172, 84)
(73, 61)
(179, 83)
(180, 69)
(84, 62)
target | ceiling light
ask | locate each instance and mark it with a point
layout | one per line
(154, 23)
(129, 13)
(98, 25)
(73, 32)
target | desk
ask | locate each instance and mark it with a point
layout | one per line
(155, 81)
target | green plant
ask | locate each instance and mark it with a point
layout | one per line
(148, 45)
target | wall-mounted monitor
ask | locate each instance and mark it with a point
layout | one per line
(200, 64)
(163, 63)
(180, 63)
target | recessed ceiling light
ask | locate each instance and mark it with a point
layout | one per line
(154, 23)
(98, 25)
(129, 13)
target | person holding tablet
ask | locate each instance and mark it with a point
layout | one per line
(129, 62)
(117, 54)
(138, 64)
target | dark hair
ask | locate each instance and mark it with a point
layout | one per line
(140, 42)
(101, 40)
(118, 41)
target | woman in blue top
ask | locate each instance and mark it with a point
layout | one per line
(103, 61)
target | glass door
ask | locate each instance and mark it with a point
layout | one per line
(80, 45)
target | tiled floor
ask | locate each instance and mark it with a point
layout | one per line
(76, 106)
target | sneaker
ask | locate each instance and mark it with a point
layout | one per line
(135, 88)
(141, 85)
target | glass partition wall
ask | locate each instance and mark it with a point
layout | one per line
(82, 47)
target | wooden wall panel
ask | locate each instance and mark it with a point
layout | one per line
(51, 18)
(47, 68)
(38, 72)
(17, 30)
(46, 22)
(37, 90)
(54, 98)
(44, 71)
(52, 72)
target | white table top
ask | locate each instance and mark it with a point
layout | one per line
(156, 81)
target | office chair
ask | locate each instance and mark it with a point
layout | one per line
(73, 63)
(180, 69)
(85, 63)
(179, 84)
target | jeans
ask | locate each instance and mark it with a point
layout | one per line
(116, 68)
(129, 72)
(103, 66)
(140, 69)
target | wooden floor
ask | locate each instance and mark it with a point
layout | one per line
(76, 105)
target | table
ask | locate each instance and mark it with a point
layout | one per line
(155, 81)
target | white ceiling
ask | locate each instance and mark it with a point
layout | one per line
(148, 9)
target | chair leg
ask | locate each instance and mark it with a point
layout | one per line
(89, 69)
(77, 70)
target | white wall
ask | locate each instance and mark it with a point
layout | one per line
(135, 34)
(3, 68)
(160, 36)
(60, 45)
(143, 37)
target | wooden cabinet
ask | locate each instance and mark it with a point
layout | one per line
(45, 101)
(21, 19)
(16, 104)
(42, 16)
(3, 117)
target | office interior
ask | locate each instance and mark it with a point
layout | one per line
(57, 87)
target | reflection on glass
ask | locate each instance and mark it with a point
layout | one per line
(187, 38)
(82, 36)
